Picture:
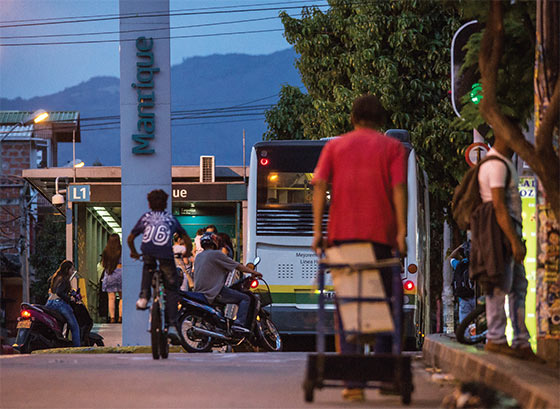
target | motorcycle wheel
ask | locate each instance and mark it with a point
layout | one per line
(155, 329)
(269, 337)
(473, 328)
(190, 340)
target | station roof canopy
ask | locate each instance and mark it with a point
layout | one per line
(62, 123)
(44, 179)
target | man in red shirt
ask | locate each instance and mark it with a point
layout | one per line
(367, 172)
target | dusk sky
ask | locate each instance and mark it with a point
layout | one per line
(35, 70)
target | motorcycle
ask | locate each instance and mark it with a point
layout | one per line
(41, 328)
(203, 326)
(474, 326)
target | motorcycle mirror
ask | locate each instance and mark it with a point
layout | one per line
(257, 260)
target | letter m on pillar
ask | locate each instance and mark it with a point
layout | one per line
(143, 144)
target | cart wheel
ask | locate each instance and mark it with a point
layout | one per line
(406, 395)
(308, 391)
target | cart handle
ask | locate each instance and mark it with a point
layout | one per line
(388, 262)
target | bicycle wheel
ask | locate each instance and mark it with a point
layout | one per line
(155, 329)
(269, 336)
(190, 339)
(473, 328)
(164, 345)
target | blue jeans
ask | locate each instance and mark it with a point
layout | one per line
(229, 296)
(65, 310)
(466, 306)
(496, 314)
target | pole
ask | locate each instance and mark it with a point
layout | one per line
(74, 153)
(24, 244)
(244, 181)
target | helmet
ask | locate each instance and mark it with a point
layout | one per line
(208, 240)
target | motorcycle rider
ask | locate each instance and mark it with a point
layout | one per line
(59, 298)
(211, 268)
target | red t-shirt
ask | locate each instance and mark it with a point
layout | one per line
(363, 166)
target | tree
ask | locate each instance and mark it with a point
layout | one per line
(49, 253)
(397, 50)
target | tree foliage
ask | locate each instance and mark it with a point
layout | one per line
(49, 253)
(286, 120)
(398, 51)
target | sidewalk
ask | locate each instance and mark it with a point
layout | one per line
(532, 385)
(111, 333)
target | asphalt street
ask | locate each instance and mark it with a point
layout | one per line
(214, 380)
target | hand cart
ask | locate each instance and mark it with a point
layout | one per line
(373, 371)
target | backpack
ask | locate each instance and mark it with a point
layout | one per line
(466, 197)
(462, 286)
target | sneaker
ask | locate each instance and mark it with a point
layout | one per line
(142, 304)
(173, 335)
(526, 353)
(502, 348)
(353, 394)
(240, 329)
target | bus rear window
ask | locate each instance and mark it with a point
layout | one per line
(286, 188)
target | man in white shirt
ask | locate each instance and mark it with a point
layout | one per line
(506, 201)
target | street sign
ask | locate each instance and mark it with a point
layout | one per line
(475, 152)
(78, 193)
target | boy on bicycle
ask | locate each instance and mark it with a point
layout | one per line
(157, 228)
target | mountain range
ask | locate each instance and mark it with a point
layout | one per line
(213, 99)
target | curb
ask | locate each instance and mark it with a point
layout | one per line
(532, 385)
(142, 349)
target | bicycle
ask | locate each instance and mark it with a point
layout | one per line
(158, 326)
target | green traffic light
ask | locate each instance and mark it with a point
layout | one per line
(476, 93)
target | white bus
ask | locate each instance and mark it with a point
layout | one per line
(280, 230)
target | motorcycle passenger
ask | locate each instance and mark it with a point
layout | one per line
(157, 228)
(60, 298)
(211, 268)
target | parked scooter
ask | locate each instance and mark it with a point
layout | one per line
(203, 326)
(41, 328)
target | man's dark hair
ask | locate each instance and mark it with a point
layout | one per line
(368, 111)
(157, 199)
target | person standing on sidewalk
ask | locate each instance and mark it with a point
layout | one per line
(463, 287)
(367, 171)
(505, 274)
(112, 275)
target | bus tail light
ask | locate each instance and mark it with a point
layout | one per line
(264, 161)
(408, 285)
(412, 268)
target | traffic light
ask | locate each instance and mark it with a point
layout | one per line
(465, 82)
(476, 93)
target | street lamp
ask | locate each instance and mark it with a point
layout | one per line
(38, 116)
